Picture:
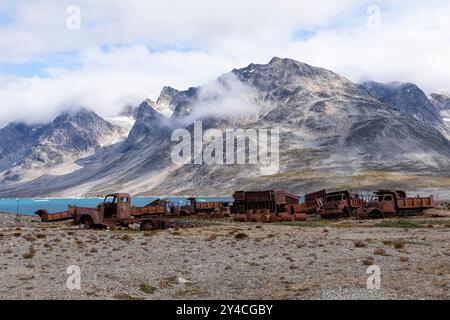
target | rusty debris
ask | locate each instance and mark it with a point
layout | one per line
(248, 206)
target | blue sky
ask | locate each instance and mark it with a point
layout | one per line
(125, 52)
(4, 19)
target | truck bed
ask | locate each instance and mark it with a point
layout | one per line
(209, 205)
(150, 209)
(415, 203)
(49, 217)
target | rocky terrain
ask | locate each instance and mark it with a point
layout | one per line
(441, 101)
(54, 148)
(408, 98)
(315, 259)
(364, 136)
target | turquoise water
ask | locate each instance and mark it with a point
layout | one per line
(30, 206)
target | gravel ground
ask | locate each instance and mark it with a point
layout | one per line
(227, 260)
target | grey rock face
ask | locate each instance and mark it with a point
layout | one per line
(76, 133)
(407, 98)
(70, 136)
(170, 99)
(441, 101)
(16, 139)
(149, 127)
(129, 111)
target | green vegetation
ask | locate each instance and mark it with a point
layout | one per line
(410, 224)
(307, 224)
(399, 224)
(148, 289)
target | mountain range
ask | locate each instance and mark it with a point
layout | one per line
(333, 133)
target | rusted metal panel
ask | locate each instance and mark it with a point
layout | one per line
(59, 216)
(287, 217)
(341, 204)
(311, 204)
(240, 218)
(272, 200)
(151, 209)
(280, 197)
(209, 205)
(311, 197)
(300, 216)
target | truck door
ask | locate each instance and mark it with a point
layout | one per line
(110, 205)
(124, 207)
(169, 208)
(388, 204)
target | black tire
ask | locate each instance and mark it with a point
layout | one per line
(346, 213)
(147, 226)
(376, 214)
(87, 222)
(184, 213)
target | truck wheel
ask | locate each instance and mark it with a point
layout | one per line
(147, 226)
(87, 222)
(376, 214)
(351, 212)
(346, 213)
(184, 213)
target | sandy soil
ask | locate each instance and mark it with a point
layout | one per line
(225, 260)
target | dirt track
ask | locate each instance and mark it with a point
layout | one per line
(309, 260)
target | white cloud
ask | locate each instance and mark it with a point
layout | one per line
(192, 42)
(413, 45)
(105, 82)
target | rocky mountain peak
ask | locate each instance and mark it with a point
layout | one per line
(149, 123)
(170, 99)
(408, 98)
(129, 111)
(441, 101)
(16, 139)
(166, 95)
(146, 108)
(287, 75)
(81, 129)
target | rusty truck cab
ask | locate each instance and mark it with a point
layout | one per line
(189, 207)
(384, 202)
(116, 206)
(342, 204)
(335, 204)
(387, 201)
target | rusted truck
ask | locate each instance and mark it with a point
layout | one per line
(386, 203)
(341, 204)
(194, 206)
(115, 210)
(311, 204)
(272, 201)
